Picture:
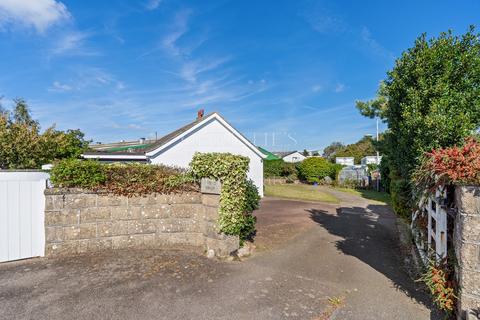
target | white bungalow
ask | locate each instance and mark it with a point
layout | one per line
(210, 133)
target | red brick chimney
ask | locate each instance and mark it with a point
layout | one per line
(200, 114)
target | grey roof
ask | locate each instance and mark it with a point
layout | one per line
(149, 146)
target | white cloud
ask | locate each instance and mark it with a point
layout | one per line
(60, 87)
(73, 43)
(339, 87)
(373, 45)
(39, 14)
(152, 4)
(180, 24)
(88, 78)
(317, 88)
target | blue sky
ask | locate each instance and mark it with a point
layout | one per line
(285, 73)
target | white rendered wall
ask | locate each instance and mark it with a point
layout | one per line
(211, 137)
(294, 157)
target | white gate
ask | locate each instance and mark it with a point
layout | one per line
(432, 208)
(22, 204)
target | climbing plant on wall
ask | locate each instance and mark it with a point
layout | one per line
(231, 170)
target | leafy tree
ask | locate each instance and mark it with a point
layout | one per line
(330, 151)
(430, 99)
(358, 150)
(305, 153)
(22, 146)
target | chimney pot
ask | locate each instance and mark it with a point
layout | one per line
(200, 114)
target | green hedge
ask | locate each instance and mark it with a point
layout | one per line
(122, 179)
(401, 195)
(237, 197)
(74, 173)
(278, 168)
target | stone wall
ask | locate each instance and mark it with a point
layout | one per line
(467, 248)
(77, 222)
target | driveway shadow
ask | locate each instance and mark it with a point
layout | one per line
(370, 235)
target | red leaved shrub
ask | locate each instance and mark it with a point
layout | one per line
(453, 165)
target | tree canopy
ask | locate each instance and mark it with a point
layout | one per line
(430, 99)
(23, 146)
(358, 150)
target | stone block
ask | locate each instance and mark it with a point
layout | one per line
(180, 239)
(71, 233)
(82, 246)
(150, 241)
(160, 211)
(95, 214)
(135, 212)
(211, 200)
(189, 197)
(210, 213)
(186, 210)
(82, 231)
(467, 199)
(468, 302)
(469, 280)
(212, 230)
(467, 227)
(53, 202)
(224, 247)
(61, 249)
(145, 200)
(149, 225)
(119, 213)
(178, 225)
(54, 234)
(110, 200)
(121, 242)
(135, 227)
(80, 200)
(62, 217)
(468, 255)
(99, 244)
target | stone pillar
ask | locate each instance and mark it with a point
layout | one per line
(216, 243)
(467, 248)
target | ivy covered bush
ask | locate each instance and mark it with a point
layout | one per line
(238, 198)
(121, 179)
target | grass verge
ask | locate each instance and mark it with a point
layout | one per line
(369, 194)
(299, 192)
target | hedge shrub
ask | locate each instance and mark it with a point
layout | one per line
(314, 169)
(236, 197)
(121, 179)
(279, 168)
(74, 173)
(401, 197)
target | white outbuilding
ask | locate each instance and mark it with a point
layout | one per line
(291, 156)
(210, 133)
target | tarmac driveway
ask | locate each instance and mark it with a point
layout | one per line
(314, 261)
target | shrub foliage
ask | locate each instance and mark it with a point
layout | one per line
(315, 169)
(121, 179)
(279, 168)
(24, 146)
(453, 165)
(429, 100)
(237, 198)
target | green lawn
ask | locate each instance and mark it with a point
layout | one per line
(369, 194)
(299, 192)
